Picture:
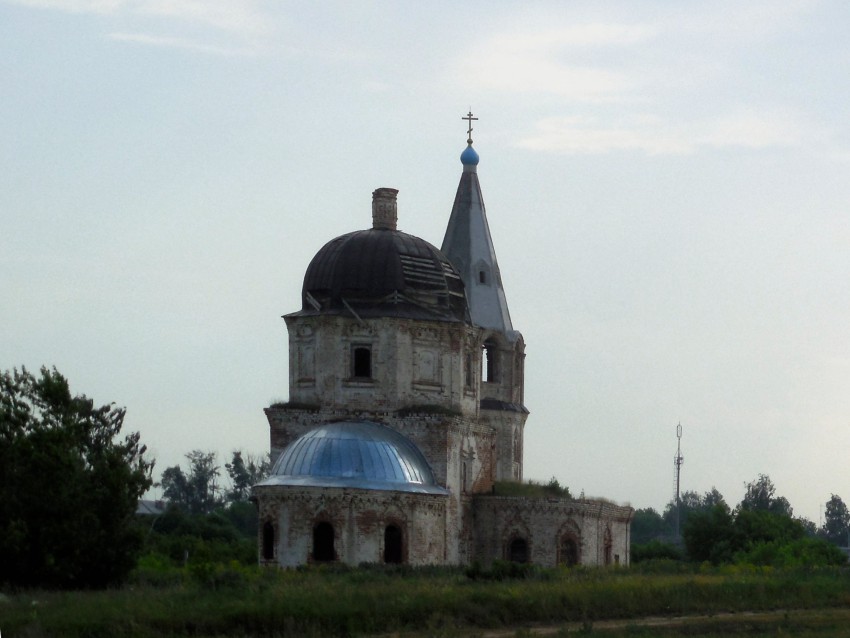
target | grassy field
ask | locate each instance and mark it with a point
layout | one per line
(238, 601)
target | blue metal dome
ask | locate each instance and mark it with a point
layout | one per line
(469, 157)
(354, 454)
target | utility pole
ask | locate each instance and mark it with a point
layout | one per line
(677, 462)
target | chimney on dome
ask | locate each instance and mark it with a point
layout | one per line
(384, 208)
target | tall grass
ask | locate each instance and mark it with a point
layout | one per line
(238, 601)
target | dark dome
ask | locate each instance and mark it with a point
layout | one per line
(358, 454)
(383, 272)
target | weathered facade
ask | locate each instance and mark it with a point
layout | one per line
(406, 387)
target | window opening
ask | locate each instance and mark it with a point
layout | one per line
(482, 277)
(362, 362)
(490, 367)
(323, 542)
(392, 544)
(268, 541)
(463, 475)
(468, 376)
(518, 551)
(608, 544)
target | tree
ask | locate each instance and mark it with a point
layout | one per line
(647, 526)
(197, 491)
(709, 535)
(69, 486)
(836, 526)
(243, 475)
(760, 496)
(690, 502)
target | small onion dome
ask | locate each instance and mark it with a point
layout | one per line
(469, 157)
(354, 454)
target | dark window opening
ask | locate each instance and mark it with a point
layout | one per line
(392, 544)
(482, 277)
(323, 543)
(568, 552)
(268, 541)
(608, 545)
(362, 362)
(468, 373)
(518, 551)
(491, 366)
(463, 477)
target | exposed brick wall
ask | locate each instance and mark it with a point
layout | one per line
(543, 523)
(359, 519)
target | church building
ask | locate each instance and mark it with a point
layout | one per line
(406, 407)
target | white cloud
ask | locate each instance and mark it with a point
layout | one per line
(228, 15)
(741, 21)
(585, 135)
(597, 34)
(73, 6)
(652, 135)
(752, 129)
(534, 62)
(177, 43)
(244, 17)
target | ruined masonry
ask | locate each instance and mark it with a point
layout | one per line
(406, 407)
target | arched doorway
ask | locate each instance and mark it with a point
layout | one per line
(392, 544)
(568, 551)
(518, 551)
(323, 542)
(268, 541)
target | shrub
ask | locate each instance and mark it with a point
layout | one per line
(655, 550)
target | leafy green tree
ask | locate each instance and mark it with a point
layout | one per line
(690, 502)
(69, 486)
(761, 531)
(647, 526)
(245, 474)
(710, 535)
(836, 526)
(195, 492)
(763, 526)
(809, 526)
(761, 495)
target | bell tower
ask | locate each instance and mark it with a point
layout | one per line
(469, 247)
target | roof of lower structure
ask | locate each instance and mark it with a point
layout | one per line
(355, 454)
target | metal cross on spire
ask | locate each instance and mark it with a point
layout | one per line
(468, 117)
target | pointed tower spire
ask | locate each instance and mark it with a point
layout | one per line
(469, 247)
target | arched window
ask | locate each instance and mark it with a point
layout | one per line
(568, 551)
(608, 544)
(468, 373)
(361, 362)
(392, 544)
(323, 543)
(268, 541)
(518, 551)
(491, 362)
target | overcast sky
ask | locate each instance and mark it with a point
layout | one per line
(666, 185)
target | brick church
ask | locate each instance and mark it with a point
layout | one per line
(406, 406)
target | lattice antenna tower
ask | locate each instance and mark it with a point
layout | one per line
(677, 464)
